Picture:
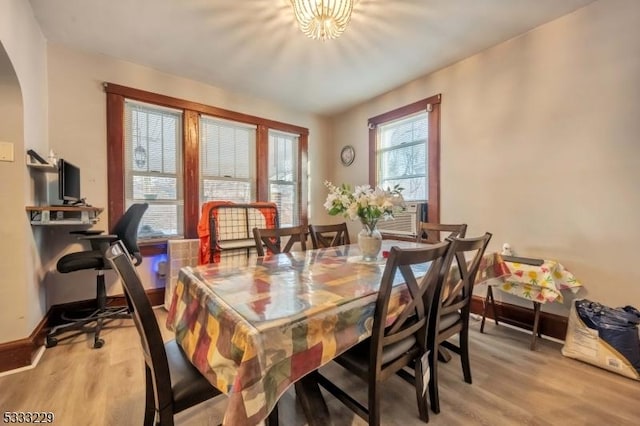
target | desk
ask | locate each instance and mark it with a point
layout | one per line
(254, 330)
(538, 283)
(63, 215)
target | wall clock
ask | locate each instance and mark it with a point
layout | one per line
(347, 155)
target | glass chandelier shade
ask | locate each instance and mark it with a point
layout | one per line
(322, 19)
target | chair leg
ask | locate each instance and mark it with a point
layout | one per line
(150, 402)
(101, 291)
(165, 417)
(374, 402)
(421, 373)
(464, 352)
(101, 299)
(433, 380)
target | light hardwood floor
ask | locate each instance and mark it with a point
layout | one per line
(511, 386)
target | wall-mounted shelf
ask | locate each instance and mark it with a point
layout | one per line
(34, 165)
(63, 215)
(43, 167)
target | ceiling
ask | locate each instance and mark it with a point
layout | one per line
(253, 47)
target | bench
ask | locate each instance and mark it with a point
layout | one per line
(226, 228)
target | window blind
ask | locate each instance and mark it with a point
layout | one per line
(153, 171)
(283, 176)
(227, 160)
(402, 155)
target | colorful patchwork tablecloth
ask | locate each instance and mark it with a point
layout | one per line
(541, 284)
(254, 330)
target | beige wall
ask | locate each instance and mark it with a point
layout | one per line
(11, 131)
(77, 126)
(540, 145)
(21, 293)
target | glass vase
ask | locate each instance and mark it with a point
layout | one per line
(369, 242)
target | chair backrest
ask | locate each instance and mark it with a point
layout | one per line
(455, 287)
(155, 356)
(429, 233)
(413, 318)
(126, 229)
(323, 236)
(270, 238)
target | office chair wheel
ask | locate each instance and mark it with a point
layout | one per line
(50, 342)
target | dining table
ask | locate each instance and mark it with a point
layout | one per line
(255, 328)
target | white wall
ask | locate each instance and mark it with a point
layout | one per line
(77, 105)
(22, 303)
(539, 145)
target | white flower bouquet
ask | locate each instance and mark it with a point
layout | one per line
(364, 203)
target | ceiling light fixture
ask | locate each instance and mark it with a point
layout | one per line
(322, 19)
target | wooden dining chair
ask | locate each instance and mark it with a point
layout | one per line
(271, 239)
(323, 236)
(450, 307)
(173, 384)
(402, 343)
(429, 233)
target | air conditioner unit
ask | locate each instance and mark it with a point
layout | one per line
(406, 222)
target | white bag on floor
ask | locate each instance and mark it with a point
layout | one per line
(585, 343)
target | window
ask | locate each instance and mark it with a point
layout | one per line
(227, 160)
(177, 154)
(405, 147)
(153, 167)
(283, 176)
(402, 156)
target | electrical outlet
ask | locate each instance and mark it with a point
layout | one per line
(6, 151)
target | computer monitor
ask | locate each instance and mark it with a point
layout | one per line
(68, 182)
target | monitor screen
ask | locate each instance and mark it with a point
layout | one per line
(68, 182)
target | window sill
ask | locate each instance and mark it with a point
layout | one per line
(153, 247)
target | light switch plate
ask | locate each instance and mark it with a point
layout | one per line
(6, 151)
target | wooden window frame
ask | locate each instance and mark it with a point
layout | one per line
(116, 96)
(298, 213)
(431, 104)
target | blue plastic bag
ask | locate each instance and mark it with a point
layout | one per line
(618, 327)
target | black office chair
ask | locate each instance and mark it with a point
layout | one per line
(126, 230)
